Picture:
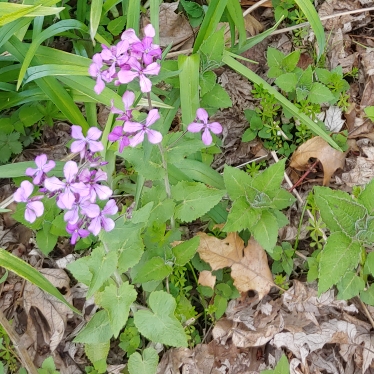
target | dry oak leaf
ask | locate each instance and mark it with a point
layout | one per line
(330, 158)
(206, 278)
(249, 265)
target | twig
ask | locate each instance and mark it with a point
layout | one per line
(304, 175)
(253, 7)
(366, 311)
(22, 351)
(288, 180)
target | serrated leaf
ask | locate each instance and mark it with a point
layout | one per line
(96, 331)
(161, 325)
(143, 365)
(153, 269)
(306, 79)
(142, 215)
(266, 230)
(271, 178)
(290, 61)
(179, 150)
(116, 301)
(319, 94)
(58, 227)
(81, 270)
(350, 286)
(242, 216)
(287, 82)
(281, 198)
(340, 254)
(366, 197)
(45, 239)
(207, 82)
(183, 252)
(102, 266)
(237, 182)
(338, 210)
(97, 354)
(212, 48)
(274, 58)
(195, 199)
(367, 296)
(217, 97)
(369, 264)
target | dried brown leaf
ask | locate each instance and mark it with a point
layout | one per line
(249, 266)
(330, 158)
(206, 278)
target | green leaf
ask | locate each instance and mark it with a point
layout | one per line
(102, 266)
(152, 270)
(283, 367)
(195, 199)
(369, 264)
(143, 365)
(116, 301)
(180, 149)
(237, 182)
(161, 325)
(369, 111)
(366, 197)
(95, 14)
(217, 97)
(184, 252)
(281, 199)
(97, 354)
(221, 305)
(290, 61)
(212, 48)
(97, 330)
(235, 12)
(367, 296)
(338, 210)
(81, 270)
(142, 215)
(266, 230)
(287, 82)
(58, 227)
(249, 135)
(319, 94)
(242, 216)
(45, 239)
(207, 81)
(274, 58)
(29, 115)
(340, 254)
(117, 25)
(350, 286)
(25, 271)
(306, 78)
(18, 169)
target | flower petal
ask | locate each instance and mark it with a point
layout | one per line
(49, 166)
(95, 225)
(127, 76)
(110, 208)
(108, 224)
(207, 137)
(195, 127)
(95, 146)
(154, 136)
(40, 160)
(145, 83)
(93, 133)
(152, 117)
(137, 139)
(132, 126)
(149, 31)
(30, 215)
(152, 69)
(76, 132)
(27, 187)
(99, 86)
(202, 115)
(77, 146)
(54, 184)
(128, 99)
(70, 171)
(215, 127)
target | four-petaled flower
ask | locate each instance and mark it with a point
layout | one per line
(67, 189)
(101, 221)
(214, 127)
(76, 231)
(128, 99)
(141, 129)
(90, 179)
(43, 167)
(34, 207)
(96, 72)
(118, 134)
(83, 142)
(145, 49)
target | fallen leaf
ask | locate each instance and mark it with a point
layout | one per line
(330, 158)
(252, 26)
(249, 265)
(206, 278)
(333, 119)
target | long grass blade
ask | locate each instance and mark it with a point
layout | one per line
(95, 15)
(235, 12)
(133, 15)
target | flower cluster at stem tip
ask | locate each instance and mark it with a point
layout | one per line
(130, 59)
(77, 193)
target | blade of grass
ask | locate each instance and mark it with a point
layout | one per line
(189, 86)
(7, 31)
(253, 77)
(313, 18)
(154, 14)
(133, 15)
(25, 271)
(95, 15)
(236, 14)
(210, 22)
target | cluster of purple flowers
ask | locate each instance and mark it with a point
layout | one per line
(77, 193)
(129, 59)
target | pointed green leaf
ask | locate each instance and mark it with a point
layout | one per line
(184, 251)
(350, 286)
(319, 94)
(153, 270)
(97, 330)
(145, 364)
(287, 82)
(266, 230)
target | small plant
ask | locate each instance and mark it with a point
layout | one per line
(7, 354)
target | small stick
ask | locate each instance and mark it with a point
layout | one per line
(368, 315)
(304, 176)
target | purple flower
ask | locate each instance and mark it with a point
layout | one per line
(116, 54)
(95, 72)
(90, 179)
(101, 221)
(119, 135)
(43, 167)
(130, 36)
(84, 206)
(76, 231)
(128, 99)
(141, 129)
(34, 208)
(69, 188)
(214, 127)
(82, 142)
(127, 76)
(145, 50)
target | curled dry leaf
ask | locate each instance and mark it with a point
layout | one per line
(330, 158)
(206, 278)
(249, 265)
(45, 312)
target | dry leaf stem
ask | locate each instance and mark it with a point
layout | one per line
(22, 351)
(366, 311)
(304, 175)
